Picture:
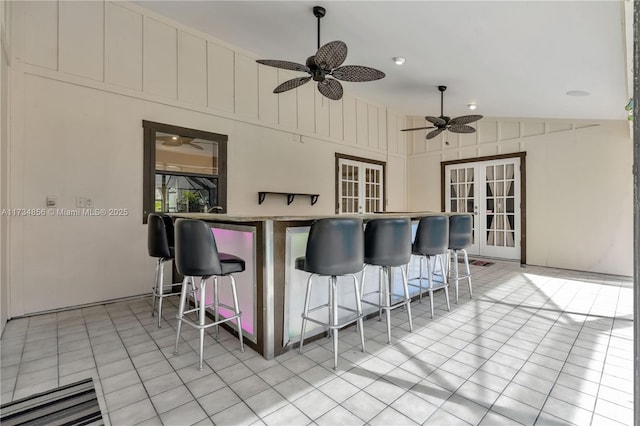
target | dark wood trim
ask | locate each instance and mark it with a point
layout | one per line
(523, 190)
(149, 162)
(362, 160)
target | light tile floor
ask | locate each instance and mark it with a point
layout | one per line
(534, 346)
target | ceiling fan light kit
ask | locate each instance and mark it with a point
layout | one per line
(442, 123)
(324, 67)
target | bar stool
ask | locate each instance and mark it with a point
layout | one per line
(460, 237)
(431, 243)
(334, 248)
(197, 256)
(387, 244)
(160, 245)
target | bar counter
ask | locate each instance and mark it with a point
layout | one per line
(271, 290)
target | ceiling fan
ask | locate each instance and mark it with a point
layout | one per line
(324, 65)
(442, 123)
(178, 141)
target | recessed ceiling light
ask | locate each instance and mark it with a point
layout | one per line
(577, 93)
(399, 60)
(472, 106)
(175, 138)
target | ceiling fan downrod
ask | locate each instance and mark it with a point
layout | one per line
(319, 12)
(442, 89)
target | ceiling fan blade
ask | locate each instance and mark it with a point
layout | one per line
(357, 73)
(435, 120)
(330, 88)
(172, 142)
(331, 55)
(291, 84)
(432, 134)
(196, 146)
(465, 119)
(417, 128)
(285, 65)
(461, 128)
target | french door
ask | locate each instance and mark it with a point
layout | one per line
(491, 191)
(360, 186)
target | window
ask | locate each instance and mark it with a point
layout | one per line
(184, 170)
(359, 185)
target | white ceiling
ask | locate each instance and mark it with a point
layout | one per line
(512, 58)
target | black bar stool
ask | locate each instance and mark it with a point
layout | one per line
(197, 256)
(387, 244)
(460, 237)
(160, 245)
(335, 247)
(431, 243)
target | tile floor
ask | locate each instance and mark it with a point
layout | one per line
(535, 346)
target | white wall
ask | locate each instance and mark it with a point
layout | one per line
(579, 185)
(86, 74)
(4, 166)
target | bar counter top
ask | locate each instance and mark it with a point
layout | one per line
(213, 217)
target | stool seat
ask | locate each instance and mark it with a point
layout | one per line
(431, 243)
(334, 248)
(460, 238)
(387, 244)
(197, 256)
(160, 245)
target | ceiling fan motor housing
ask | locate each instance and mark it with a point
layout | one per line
(317, 73)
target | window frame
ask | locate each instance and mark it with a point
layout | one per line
(339, 157)
(149, 162)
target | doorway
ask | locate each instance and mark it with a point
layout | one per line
(492, 189)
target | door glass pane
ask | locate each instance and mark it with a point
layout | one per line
(499, 189)
(510, 171)
(510, 239)
(454, 192)
(454, 206)
(499, 172)
(470, 175)
(453, 176)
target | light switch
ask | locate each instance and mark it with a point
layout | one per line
(51, 201)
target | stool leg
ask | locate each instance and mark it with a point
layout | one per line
(430, 278)
(420, 280)
(334, 317)
(387, 301)
(216, 304)
(446, 288)
(380, 291)
(305, 312)
(160, 287)
(155, 288)
(407, 299)
(201, 313)
(359, 311)
(455, 272)
(238, 313)
(466, 263)
(183, 298)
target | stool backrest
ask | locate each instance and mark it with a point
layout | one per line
(196, 250)
(335, 246)
(387, 242)
(460, 231)
(432, 236)
(159, 235)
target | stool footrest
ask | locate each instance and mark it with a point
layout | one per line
(437, 286)
(350, 320)
(196, 325)
(397, 300)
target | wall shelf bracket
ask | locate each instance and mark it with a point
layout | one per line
(290, 196)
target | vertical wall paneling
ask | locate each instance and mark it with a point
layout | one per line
(373, 126)
(287, 102)
(336, 123)
(322, 113)
(267, 100)
(382, 128)
(192, 69)
(362, 126)
(392, 131)
(306, 107)
(246, 86)
(401, 136)
(124, 47)
(487, 131)
(220, 81)
(349, 118)
(40, 32)
(81, 40)
(160, 59)
(509, 130)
